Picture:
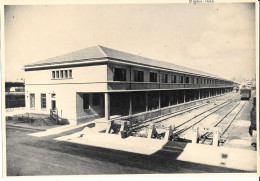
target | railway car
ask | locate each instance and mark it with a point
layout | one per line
(245, 93)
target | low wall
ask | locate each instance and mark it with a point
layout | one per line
(144, 116)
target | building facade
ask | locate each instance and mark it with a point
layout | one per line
(102, 82)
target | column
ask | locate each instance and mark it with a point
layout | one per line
(184, 96)
(107, 106)
(146, 101)
(177, 93)
(159, 99)
(209, 92)
(130, 104)
(169, 98)
(199, 94)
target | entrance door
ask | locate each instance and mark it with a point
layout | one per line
(53, 104)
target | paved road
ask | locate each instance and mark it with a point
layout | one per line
(27, 156)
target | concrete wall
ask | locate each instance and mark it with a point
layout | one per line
(84, 79)
(87, 74)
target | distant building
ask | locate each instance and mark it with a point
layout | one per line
(102, 82)
(14, 94)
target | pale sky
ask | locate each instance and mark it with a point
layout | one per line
(215, 38)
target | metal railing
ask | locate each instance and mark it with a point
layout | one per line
(54, 115)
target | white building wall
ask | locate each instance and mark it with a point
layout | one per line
(87, 74)
(84, 79)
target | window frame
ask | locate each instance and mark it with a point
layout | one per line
(173, 78)
(61, 74)
(164, 78)
(187, 78)
(155, 76)
(122, 77)
(181, 79)
(53, 74)
(43, 101)
(138, 76)
(70, 73)
(57, 74)
(66, 74)
(32, 106)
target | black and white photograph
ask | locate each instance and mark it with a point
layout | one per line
(130, 88)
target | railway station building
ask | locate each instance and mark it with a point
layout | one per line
(99, 82)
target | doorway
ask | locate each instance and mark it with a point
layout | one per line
(53, 104)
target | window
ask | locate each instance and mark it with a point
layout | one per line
(32, 100)
(43, 101)
(53, 74)
(57, 74)
(153, 77)
(70, 73)
(173, 79)
(138, 76)
(96, 100)
(85, 101)
(187, 80)
(53, 95)
(119, 74)
(164, 78)
(66, 73)
(61, 74)
(181, 79)
(197, 80)
(192, 80)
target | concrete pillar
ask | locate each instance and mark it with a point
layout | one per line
(199, 94)
(209, 92)
(215, 137)
(130, 104)
(195, 135)
(168, 132)
(177, 93)
(107, 106)
(169, 98)
(159, 99)
(152, 131)
(184, 96)
(146, 102)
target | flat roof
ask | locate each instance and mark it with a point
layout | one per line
(101, 52)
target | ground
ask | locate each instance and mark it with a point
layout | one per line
(27, 156)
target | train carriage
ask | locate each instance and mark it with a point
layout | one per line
(245, 93)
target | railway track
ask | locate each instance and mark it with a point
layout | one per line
(182, 127)
(223, 124)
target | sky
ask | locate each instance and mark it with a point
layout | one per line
(218, 38)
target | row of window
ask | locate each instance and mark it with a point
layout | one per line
(62, 74)
(43, 101)
(120, 75)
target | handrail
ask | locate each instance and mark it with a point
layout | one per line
(55, 116)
